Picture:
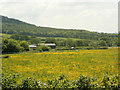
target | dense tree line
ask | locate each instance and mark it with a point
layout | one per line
(87, 43)
(10, 45)
(13, 26)
(103, 41)
(30, 39)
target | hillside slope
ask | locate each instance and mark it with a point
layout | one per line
(14, 26)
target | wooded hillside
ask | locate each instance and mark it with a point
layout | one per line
(13, 26)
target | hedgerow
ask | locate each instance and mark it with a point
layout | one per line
(83, 82)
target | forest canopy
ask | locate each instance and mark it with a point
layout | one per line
(13, 26)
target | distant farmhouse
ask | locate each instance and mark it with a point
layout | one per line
(52, 45)
(34, 46)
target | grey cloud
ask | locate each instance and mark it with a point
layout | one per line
(78, 15)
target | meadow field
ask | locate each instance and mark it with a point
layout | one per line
(49, 65)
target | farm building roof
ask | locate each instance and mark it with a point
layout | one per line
(49, 44)
(33, 46)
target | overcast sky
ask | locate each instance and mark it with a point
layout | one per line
(73, 14)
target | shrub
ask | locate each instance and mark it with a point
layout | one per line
(39, 48)
(10, 45)
(83, 82)
(29, 83)
(25, 45)
(43, 48)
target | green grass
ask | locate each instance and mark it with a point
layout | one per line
(49, 65)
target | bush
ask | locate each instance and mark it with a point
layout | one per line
(25, 45)
(43, 48)
(10, 45)
(83, 82)
(29, 83)
(39, 48)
